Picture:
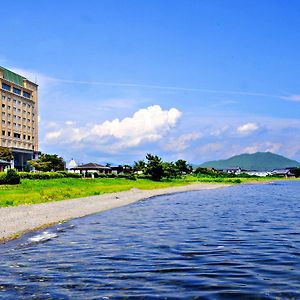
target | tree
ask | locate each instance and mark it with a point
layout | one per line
(154, 167)
(296, 172)
(48, 162)
(139, 166)
(170, 170)
(183, 166)
(6, 154)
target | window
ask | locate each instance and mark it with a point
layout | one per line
(3, 97)
(3, 105)
(28, 137)
(8, 99)
(3, 132)
(5, 86)
(17, 135)
(15, 101)
(8, 133)
(16, 91)
(26, 95)
(24, 137)
(3, 114)
(8, 107)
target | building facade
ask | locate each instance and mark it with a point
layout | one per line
(19, 122)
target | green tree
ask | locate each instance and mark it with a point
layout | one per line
(296, 172)
(6, 154)
(154, 167)
(183, 166)
(139, 166)
(170, 170)
(48, 162)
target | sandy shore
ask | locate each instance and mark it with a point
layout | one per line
(21, 219)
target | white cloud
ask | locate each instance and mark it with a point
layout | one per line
(182, 142)
(295, 98)
(41, 79)
(250, 149)
(69, 123)
(52, 135)
(146, 125)
(247, 128)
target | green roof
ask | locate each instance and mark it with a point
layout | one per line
(13, 77)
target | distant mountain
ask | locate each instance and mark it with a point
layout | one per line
(260, 161)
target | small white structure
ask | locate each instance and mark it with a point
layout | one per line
(258, 173)
(71, 164)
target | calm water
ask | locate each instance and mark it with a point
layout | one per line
(241, 242)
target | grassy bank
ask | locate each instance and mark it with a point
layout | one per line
(39, 191)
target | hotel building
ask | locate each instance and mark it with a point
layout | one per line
(19, 122)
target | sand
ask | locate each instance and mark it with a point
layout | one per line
(17, 220)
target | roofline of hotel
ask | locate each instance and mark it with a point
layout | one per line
(24, 78)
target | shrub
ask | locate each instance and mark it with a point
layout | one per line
(12, 177)
(48, 175)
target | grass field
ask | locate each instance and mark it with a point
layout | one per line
(38, 191)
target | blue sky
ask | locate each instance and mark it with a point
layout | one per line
(198, 80)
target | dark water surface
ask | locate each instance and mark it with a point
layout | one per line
(241, 242)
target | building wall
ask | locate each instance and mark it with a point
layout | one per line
(19, 113)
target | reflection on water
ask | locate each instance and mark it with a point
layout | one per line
(241, 242)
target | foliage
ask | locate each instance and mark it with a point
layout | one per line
(154, 167)
(10, 177)
(183, 166)
(139, 166)
(48, 162)
(296, 172)
(48, 175)
(211, 172)
(6, 154)
(170, 170)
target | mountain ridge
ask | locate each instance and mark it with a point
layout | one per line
(259, 161)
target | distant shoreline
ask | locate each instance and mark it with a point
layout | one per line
(18, 220)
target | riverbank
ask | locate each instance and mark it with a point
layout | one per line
(18, 220)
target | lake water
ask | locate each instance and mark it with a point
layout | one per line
(241, 242)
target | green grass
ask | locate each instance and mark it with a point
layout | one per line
(39, 191)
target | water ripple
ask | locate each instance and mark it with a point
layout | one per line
(241, 242)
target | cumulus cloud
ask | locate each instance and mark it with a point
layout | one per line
(146, 125)
(247, 128)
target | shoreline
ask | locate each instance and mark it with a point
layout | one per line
(18, 220)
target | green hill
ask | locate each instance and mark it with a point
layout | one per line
(260, 161)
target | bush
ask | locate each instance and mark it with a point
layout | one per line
(48, 175)
(10, 177)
